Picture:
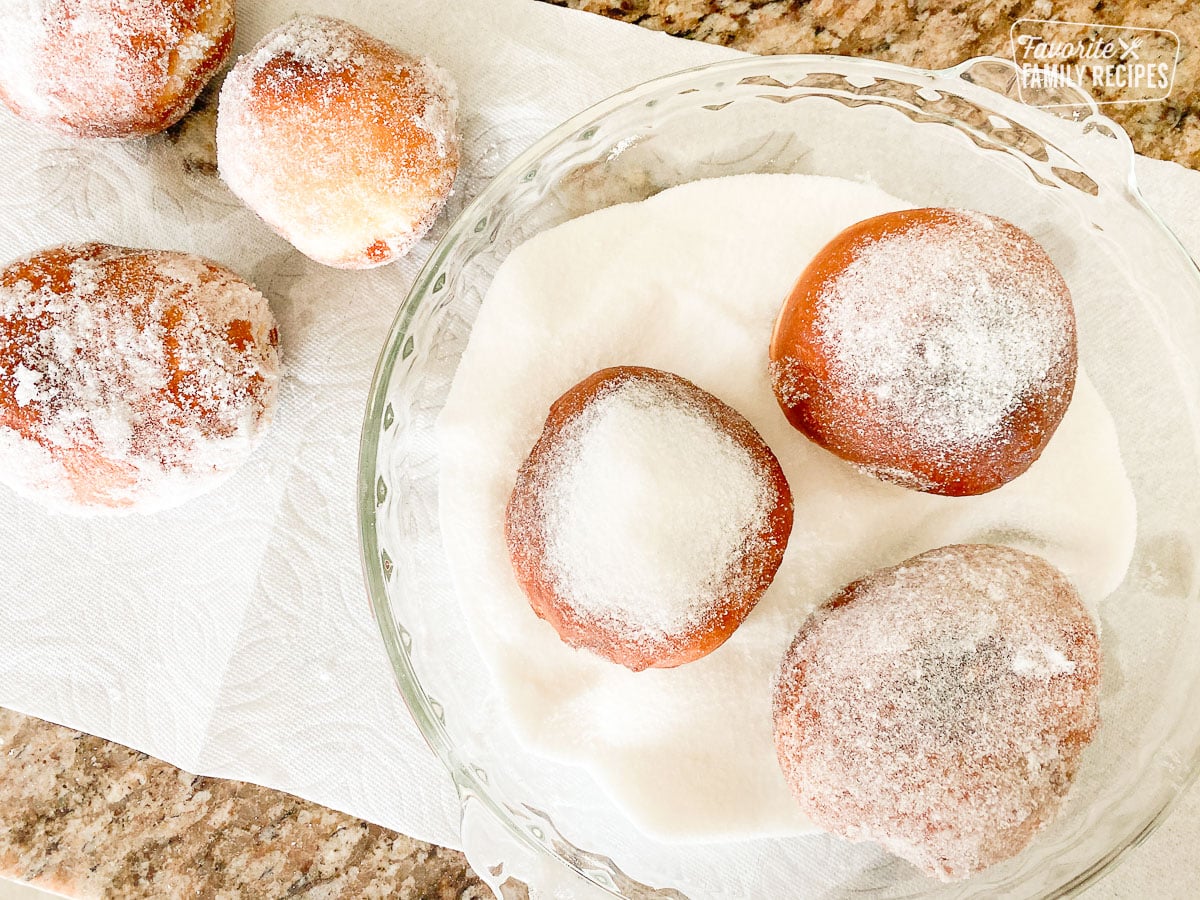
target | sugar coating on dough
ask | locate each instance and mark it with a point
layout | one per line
(943, 329)
(342, 143)
(645, 508)
(129, 378)
(110, 68)
(939, 707)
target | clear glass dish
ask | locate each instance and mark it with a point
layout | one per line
(957, 137)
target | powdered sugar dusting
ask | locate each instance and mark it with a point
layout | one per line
(342, 143)
(319, 43)
(645, 509)
(26, 381)
(944, 329)
(940, 707)
(439, 119)
(110, 67)
(129, 378)
(1044, 662)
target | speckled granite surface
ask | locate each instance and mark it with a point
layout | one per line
(933, 35)
(86, 817)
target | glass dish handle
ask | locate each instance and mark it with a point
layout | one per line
(1095, 141)
(515, 867)
(510, 866)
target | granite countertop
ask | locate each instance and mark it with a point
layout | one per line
(86, 817)
(933, 35)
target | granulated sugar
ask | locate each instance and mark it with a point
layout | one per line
(102, 64)
(159, 365)
(940, 707)
(947, 328)
(691, 281)
(648, 506)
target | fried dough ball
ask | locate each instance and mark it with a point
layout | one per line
(939, 707)
(343, 144)
(129, 379)
(933, 348)
(648, 519)
(110, 68)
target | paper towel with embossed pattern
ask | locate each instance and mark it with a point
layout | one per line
(232, 636)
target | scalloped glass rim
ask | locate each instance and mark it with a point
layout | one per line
(993, 77)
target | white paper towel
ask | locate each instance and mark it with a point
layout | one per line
(232, 636)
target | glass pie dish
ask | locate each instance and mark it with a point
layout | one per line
(956, 137)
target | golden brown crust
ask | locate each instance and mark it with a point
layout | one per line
(753, 572)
